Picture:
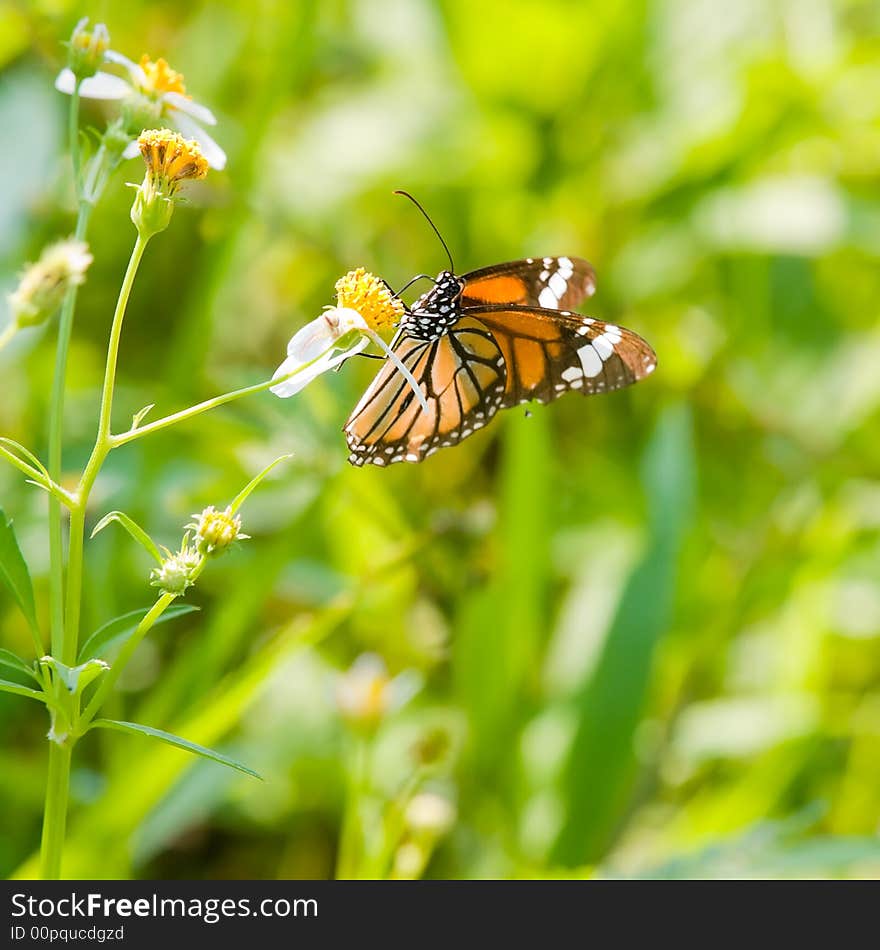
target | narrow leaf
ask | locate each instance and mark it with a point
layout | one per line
(114, 633)
(27, 455)
(14, 662)
(7, 687)
(137, 728)
(15, 576)
(134, 529)
(140, 415)
(242, 496)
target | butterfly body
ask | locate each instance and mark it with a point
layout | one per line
(437, 311)
(488, 340)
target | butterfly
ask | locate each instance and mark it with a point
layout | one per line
(488, 340)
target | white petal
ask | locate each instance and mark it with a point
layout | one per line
(210, 149)
(132, 150)
(402, 689)
(100, 86)
(332, 358)
(199, 112)
(138, 76)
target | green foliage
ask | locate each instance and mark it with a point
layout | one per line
(15, 575)
(112, 635)
(648, 623)
(139, 729)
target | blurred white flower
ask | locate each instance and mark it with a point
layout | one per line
(153, 94)
(430, 814)
(366, 694)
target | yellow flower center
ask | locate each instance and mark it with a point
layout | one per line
(161, 78)
(170, 157)
(370, 297)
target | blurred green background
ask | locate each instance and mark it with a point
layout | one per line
(647, 625)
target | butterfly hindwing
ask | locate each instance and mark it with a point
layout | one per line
(549, 352)
(551, 283)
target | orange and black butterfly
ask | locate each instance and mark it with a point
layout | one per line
(488, 340)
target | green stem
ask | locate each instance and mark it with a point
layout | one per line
(55, 815)
(65, 633)
(351, 837)
(213, 403)
(56, 409)
(103, 444)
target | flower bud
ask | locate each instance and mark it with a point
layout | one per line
(43, 285)
(177, 572)
(85, 52)
(215, 531)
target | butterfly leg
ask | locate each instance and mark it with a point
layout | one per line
(368, 356)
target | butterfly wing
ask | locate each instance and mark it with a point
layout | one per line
(495, 357)
(548, 282)
(550, 352)
(462, 378)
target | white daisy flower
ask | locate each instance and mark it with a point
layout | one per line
(154, 91)
(319, 346)
(365, 306)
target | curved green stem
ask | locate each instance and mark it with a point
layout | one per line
(70, 640)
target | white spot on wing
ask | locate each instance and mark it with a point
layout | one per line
(570, 374)
(603, 346)
(590, 360)
(548, 299)
(558, 284)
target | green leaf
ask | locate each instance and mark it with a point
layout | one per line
(7, 687)
(242, 496)
(14, 662)
(114, 633)
(137, 728)
(15, 575)
(75, 678)
(140, 415)
(27, 456)
(134, 529)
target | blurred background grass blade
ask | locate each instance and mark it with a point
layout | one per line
(598, 778)
(503, 626)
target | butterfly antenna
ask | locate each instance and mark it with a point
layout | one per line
(406, 194)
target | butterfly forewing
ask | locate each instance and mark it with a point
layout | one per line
(462, 377)
(552, 283)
